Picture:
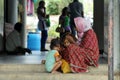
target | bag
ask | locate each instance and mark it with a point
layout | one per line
(60, 29)
(47, 20)
(65, 66)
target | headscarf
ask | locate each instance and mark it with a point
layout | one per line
(82, 25)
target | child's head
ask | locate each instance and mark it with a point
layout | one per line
(55, 44)
(65, 11)
(67, 39)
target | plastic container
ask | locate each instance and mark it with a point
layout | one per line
(33, 41)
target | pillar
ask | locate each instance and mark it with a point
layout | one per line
(116, 36)
(112, 35)
(24, 13)
(12, 11)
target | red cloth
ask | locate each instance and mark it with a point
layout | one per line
(76, 58)
(90, 45)
(86, 54)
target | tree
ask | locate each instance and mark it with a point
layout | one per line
(53, 8)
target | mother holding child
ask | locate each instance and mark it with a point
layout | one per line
(79, 52)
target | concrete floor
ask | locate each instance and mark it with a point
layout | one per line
(35, 58)
(29, 67)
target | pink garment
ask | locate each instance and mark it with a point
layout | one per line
(82, 26)
(30, 7)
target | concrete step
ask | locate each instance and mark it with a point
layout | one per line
(49, 76)
(37, 72)
(41, 68)
(30, 68)
(22, 67)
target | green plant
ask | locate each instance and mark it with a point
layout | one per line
(52, 32)
(53, 8)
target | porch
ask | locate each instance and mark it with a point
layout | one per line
(29, 67)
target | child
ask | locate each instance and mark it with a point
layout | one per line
(53, 58)
(68, 38)
(64, 20)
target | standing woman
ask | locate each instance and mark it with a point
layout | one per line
(41, 13)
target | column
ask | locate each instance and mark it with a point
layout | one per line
(24, 3)
(116, 38)
(12, 11)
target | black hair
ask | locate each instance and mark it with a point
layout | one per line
(65, 11)
(18, 26)
(63, 38)
(54, 43)
(41, 4)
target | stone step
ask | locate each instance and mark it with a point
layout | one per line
(30, 68)
(22, 67)
(48, 76)
(41, 67)
(37, 72)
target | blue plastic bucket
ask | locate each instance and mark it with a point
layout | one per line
(33, 41)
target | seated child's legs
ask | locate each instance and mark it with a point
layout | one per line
(57, 65)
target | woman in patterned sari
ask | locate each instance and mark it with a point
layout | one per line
(82, 55)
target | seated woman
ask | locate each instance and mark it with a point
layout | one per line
(88, 40)
(71, 53)
(81, 55)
